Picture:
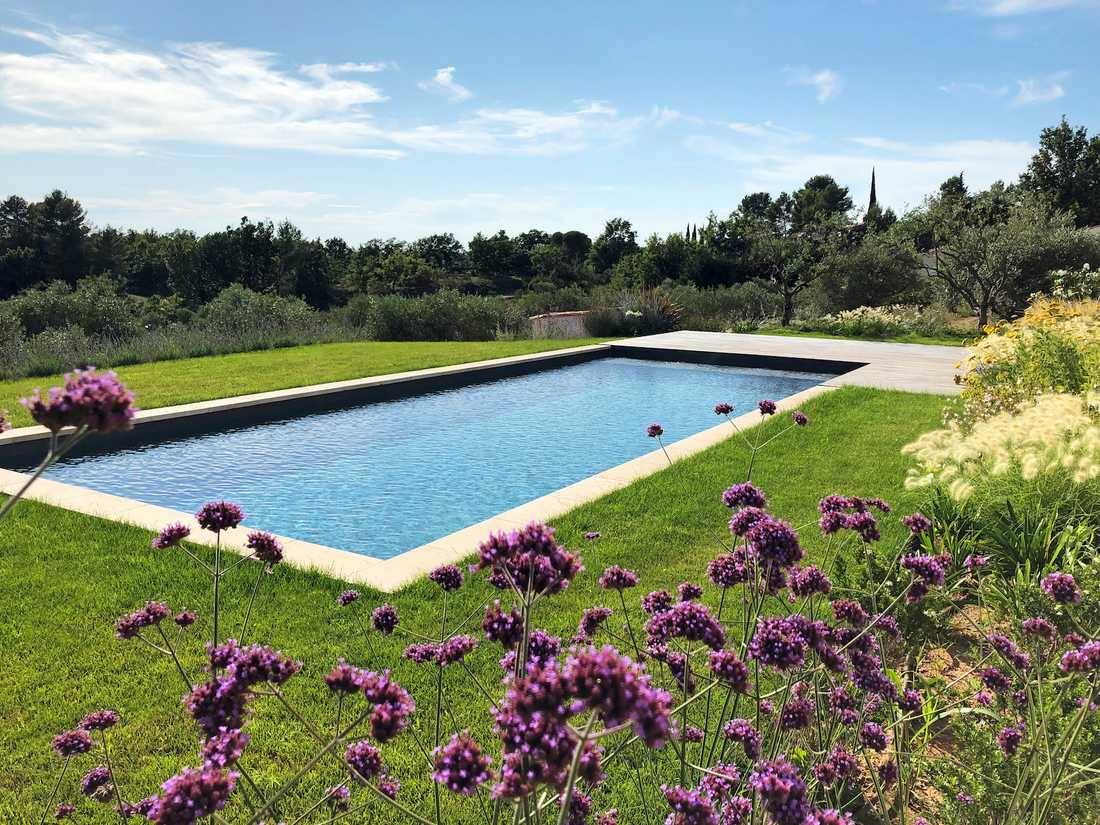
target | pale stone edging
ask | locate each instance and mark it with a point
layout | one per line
(390, 574)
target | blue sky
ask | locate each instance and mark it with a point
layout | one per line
(366, 119)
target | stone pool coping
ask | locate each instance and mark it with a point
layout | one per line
(390, 574)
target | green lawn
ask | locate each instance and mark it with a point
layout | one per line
(64, 578)
(950, 341)
(163, 383)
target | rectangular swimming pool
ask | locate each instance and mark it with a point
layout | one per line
(384, 477)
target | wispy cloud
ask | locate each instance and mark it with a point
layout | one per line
(827, 82)
(1014, 8)
(443, 82)
(86, 94)
(1040, 89)
(969, 88)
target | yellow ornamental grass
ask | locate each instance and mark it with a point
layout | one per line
(1056, 434)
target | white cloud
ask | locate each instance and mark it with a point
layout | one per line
(1013, 8)
(906, 172)
(827, 82)
(443, 82)
(86, 94)
(1040, 89)
(967, 88)
(770, 131)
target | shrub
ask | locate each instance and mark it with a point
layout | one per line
(1053, 348)
(239, 308)
(883, 322)
(442, 316)
(97, 306)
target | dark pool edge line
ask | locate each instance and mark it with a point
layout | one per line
(825, 366)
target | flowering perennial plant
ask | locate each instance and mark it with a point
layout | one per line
(761, 699)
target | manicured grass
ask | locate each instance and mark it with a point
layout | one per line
(950, 341)
(163, 383)
(64, 578)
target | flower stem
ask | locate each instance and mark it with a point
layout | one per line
(53, 793)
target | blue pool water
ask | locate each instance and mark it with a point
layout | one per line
(383, 478)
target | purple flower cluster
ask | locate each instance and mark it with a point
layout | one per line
(851, 513)
(191, 795)
(778, 642)
(766, 407)
(657, 602)
(742, 732)
(221, 703)
(392, 704)
(503, 628)
(689, 807)
(590, 622)
(460, 765)
(171, 536)
(686, 620)
(809, 580)
(1062, 588)
(218, 516)
(723, 408)
(782, 790)
(744, 495)
(385, 619)
(1009, 740)
(72, 743)
(98, 401)
(448, 577)
(130, 625)
(364, 759)
(618, 691)
(689, 591)
(95, 780)
(774, 542)
(1041, 628)
(873, 736)
(1083, 659)
(99, 720)
(347, 597)
(840, 765)
(654, 430)
(454, 649)
(224, 749)
(721, 781)
(725, 665)
(1008, 649)
(729, 569)
(265, 547)
(531, 558)
(799, 418)
(618, 578)
(918, 523)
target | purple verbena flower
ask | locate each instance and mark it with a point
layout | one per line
(689, 807)
(392, 705)
(687, 620)
(728, 570)
(72, 743)
(618, 578)
(99, 720)
(98, 401)
(807, 581)
(590, 622)
(265, 547)
(766, 407)
(385, 619)
(191, 795)
(185, 618)
(872, 736)
(448, 577)
(223, 750)
(130, 625)
(742, 731)
(344, 678)
(94, 781)
(347, 597)
(746, 494)
(1009, 740)
(689, 591)
(217, 516)
(654, 430)
(1041, 628)
(782, 790)
(363, 758)
(777, 643)
(657, 602)
(171, 536)
(725, 665)
(460, 765)
(531, 558)
(723, 408)
(455, 649)
(1062, 588)
(503, 628)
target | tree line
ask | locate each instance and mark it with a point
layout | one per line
(984, 251)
